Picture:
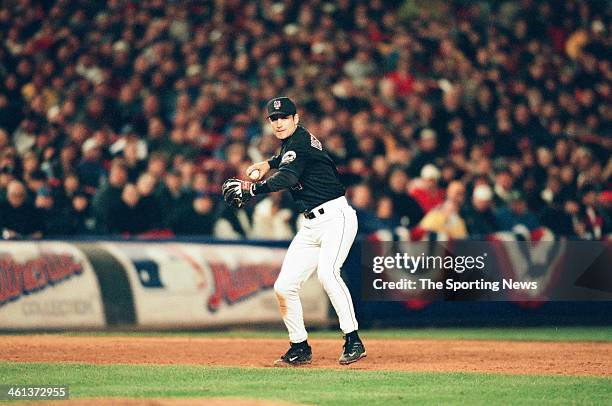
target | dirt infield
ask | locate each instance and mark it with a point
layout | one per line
(510, 357)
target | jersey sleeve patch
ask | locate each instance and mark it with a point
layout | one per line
(314, 142)
(288, 157)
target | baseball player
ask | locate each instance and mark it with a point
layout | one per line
(323, 241)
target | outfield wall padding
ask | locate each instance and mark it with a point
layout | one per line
(50, 285)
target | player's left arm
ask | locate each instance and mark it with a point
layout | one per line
(279, 181)
(291, 167)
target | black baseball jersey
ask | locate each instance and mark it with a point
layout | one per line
(318, 181)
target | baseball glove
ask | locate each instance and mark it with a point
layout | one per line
(236, 192)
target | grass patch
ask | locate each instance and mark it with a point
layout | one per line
(514, 334)
(326, 387)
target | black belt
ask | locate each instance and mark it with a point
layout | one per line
(311, 214)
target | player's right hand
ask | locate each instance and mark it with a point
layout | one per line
(263, 167)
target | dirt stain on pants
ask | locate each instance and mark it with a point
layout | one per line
(282, 304)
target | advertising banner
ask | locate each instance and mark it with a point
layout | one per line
(47, 285)
(188, 284)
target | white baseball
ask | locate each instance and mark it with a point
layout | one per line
(254, 174)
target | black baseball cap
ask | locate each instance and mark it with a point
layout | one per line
(281, 106)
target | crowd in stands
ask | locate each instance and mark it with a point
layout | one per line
(461, 117)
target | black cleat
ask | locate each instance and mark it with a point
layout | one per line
(298, 354)
(353, 350)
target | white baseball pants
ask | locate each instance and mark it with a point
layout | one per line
(322, 243)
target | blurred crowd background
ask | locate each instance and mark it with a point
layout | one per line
(460, 117)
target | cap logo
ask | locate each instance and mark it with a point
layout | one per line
(277, 104)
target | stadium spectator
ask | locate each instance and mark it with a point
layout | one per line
(479, 215)
(272, 221)
(503, 187)
(65, 163)
(233, 224)
(90, 169)
(68, 188)
(129, 215)
(361, 200)
(49, 212)
(172, 197)
(146, 186)
(557, 216)
(134, 162)
(18, 217)
(386, 215)
(76, 217)
(428, 145)
(425, 189)
(404, 206)
(446, 218)
(109, 196)
(516, 216)
(592, 222)
(196, 219)
(6, 176)
(157, 165)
